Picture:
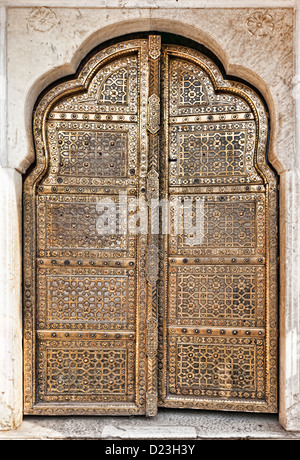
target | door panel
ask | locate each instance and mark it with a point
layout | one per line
(85, 317)
(216, 318)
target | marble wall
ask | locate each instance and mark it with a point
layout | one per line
(41, 41)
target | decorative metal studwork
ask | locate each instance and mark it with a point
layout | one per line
(117, 322)
(153, 114)
(153, 238)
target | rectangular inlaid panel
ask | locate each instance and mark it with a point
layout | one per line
(216, 366)
(208, 155)
(75, 224)
(85, 370)
(87, 298)
(92, 299)
(93, 153)
(211, 153)
(93, 224)
(235, 294)
(217, 224)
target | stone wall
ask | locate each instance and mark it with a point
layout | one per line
(41, 42)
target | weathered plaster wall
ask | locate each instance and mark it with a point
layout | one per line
(10, 300)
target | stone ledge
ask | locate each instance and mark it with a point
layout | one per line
(168, 425)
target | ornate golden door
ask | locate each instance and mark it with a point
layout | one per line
(150, 240)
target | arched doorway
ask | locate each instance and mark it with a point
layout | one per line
(150, 239)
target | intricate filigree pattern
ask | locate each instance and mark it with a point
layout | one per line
(74, 298)
(114, 89)
(220, 260)
(96, 153)
(86, 298)
(191, 90)
(69, 224)
(81, 266)
(223, 151)
(226, 224)
(92, 154)
(71, 371)
(86, 371)
(228, 368)
(218, 293)
(211, 154)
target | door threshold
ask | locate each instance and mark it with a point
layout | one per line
(168, 425)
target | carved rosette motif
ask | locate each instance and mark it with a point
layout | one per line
(260, 24)
(42, 19)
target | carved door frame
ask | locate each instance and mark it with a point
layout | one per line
(148, 342)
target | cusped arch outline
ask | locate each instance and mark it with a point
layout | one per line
(144, 26)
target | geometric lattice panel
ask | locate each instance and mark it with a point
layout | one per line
(92, 153)
(191, 90)
(81, 223)
(216, 222)
(86, 371)
(91, 299)
(82, 299)
(211, 366)
(114, 89)
(217, 293)
(214, 153)
(75, 225)
(217, 367)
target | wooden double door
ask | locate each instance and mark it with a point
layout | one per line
(150, 240)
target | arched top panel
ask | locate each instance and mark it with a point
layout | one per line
(222, 121)
(106, 91)
(86, 130)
